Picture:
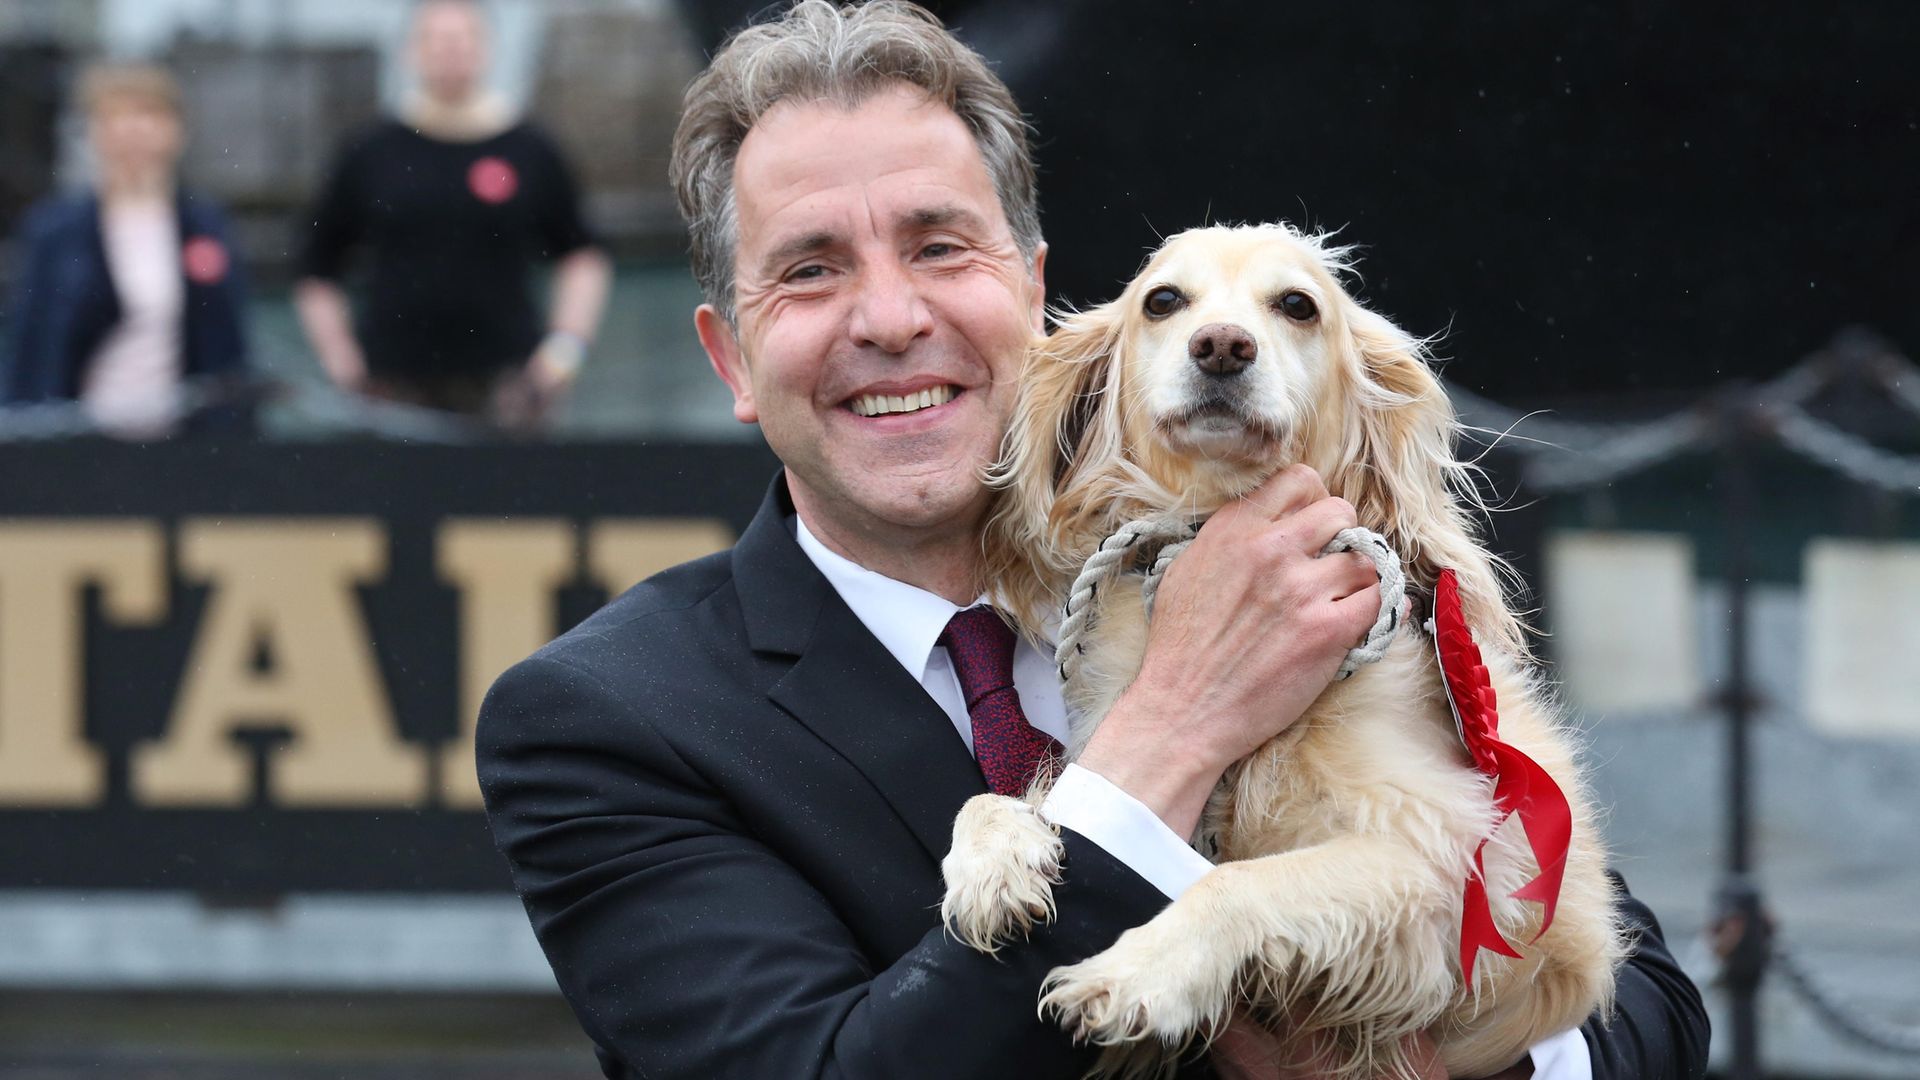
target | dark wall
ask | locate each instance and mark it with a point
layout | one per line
(1596, 199)
(31, 75)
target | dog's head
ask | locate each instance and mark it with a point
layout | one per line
(1234, 352)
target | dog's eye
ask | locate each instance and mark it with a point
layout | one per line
(1164, 301)
(1298, 306)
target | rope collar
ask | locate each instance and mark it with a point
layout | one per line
(1118, 554)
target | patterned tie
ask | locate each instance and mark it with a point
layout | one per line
(1010, 750)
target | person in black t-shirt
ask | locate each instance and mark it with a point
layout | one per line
(454, 202)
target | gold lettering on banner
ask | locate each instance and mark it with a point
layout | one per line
(45, 759)
(623, 553)
(507, 574)
(285, 585)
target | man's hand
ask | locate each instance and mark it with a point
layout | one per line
(1246, 1052)
(328, 322)
(1250, 626)
(525, 401)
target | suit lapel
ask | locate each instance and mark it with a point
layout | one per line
(846, 687)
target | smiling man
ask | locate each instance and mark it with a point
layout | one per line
(725, 797)
(885, 306)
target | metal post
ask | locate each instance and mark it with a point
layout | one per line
(1743, 928)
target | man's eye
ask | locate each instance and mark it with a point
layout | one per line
(937, 251)
(807, 273)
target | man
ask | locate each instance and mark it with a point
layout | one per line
(725, 796)
(454, 202)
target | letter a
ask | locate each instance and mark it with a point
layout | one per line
(287, 585)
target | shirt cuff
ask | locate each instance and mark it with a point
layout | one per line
(1089, 804)
(1563, 1057)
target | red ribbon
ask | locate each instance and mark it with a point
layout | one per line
(1520, 786)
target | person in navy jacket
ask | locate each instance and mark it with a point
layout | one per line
(126, 292)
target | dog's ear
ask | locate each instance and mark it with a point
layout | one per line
(1406, 480)
(1065, 421)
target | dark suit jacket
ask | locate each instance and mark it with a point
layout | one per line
(725, 804)
(64, 301)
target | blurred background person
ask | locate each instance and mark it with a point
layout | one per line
(123, 292)
(455, 200)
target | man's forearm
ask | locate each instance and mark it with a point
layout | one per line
(327, 319)
(1138, 752)
(581, 281)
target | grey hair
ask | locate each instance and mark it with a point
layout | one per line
(818, 51)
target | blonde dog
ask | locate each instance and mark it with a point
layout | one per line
(1342, 845)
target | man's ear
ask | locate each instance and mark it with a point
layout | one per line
(723, 352)
(1038, 305)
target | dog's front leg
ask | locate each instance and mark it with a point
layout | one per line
(1000, 871)
(1360, 922)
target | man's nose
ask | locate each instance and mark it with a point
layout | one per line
(889, 312)
(1222, 349)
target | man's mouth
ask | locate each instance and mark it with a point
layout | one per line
(888, 404)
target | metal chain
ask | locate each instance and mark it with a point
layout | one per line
(1795, 385)
(1545, 434)
(1828, 446)
(1843, 1017)
(1638, 448)
(1570, 454)
(1901, 381)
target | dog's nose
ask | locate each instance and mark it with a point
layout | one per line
(1222, 349)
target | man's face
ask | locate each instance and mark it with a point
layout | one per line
(875, 272)
(449, 49)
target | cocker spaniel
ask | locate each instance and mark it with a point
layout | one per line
(1349, 848)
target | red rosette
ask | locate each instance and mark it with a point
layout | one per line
(1520, 786)
(204, 260)
(493, 180)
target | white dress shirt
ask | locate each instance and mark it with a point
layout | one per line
(908, 622)
(134, 373)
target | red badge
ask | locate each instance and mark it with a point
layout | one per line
(493, 180)
(204, 259)
(1521, 788)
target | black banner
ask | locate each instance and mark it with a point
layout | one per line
(252, 668)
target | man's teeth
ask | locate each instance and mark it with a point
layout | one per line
(882, 404)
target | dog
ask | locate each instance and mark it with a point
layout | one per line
(1344, 845)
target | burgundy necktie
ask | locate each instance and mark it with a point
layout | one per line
(1010, 750)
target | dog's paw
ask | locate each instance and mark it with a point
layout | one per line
(1151, 984)
(1000, 872)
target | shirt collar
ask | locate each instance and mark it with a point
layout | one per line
(907, 619)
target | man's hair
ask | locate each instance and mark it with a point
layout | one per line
(476, 8)
(147, 84)
(820, 52)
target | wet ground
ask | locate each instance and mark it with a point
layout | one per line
(279, 1036)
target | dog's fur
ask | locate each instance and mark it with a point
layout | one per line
(1343, 844)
